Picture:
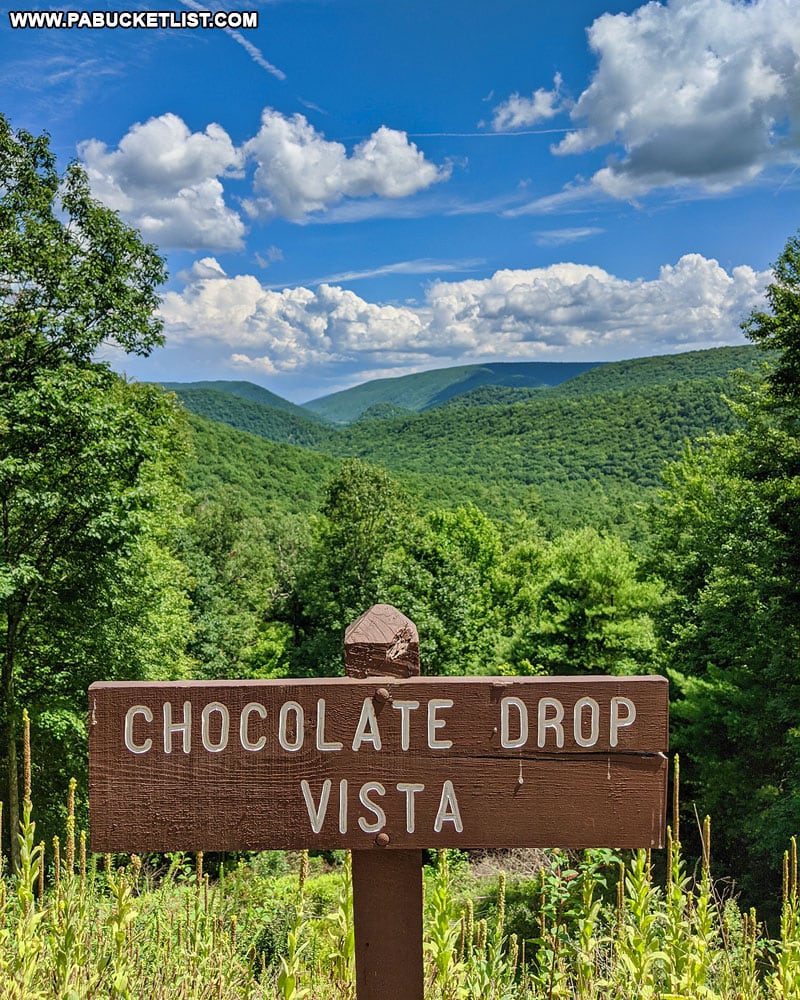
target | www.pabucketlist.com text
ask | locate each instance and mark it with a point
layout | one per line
(127, 19)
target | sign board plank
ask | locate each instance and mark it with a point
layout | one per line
(404, 763)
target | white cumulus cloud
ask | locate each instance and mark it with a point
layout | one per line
(300, 172)
(286, 330)
(521, 112)
(565, 308)
(165, 180)
(169, 181)
(700, 92)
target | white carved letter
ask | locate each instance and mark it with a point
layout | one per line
(144, 711)
(380, 816)
(244, 738)
(621, 721)
(448, 809)
(367, 729)
(170, 727)
(405, 708)
(283, 727)
(322, 744)
(594, 722)
(343, 806)
(505, 736)
(205, 728)
(433, 723)
(410, 788)
(316, 814)
(553, 722)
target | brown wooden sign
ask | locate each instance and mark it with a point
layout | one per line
(397, 763)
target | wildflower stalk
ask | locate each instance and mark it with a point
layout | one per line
(587, 926)
(290, 986)
(28, 941)
(341, 927)
(119, 922)
(786, 979)
(677, 937)
(638, 950)
(443, 931)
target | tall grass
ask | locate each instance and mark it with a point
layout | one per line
(281, 928)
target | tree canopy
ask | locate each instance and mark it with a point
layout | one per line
(88, 463)
(728, 547)
(72, 275)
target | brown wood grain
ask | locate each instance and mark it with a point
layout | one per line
(387, 918)
(239, 799)
(388, 939)
(382, 642)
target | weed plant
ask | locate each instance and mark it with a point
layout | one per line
(595, 926)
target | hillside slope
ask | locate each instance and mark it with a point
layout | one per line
(565, 448)
(243, 390)
(286, 426)
(426, 389)
(574, 456)
(664, 369)
(265, 474)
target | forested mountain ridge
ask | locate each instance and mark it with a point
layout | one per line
(577, 457)
(422, 390)
(618, 434)
(480, 383)
(248, 407)
(264, 419)
(664, 369)
(243, 390)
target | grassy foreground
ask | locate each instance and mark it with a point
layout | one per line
(588, 927)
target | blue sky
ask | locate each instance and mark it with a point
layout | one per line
(357, 189)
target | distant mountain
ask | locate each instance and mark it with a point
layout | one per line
(553, 443)
(589, 450)
(663, 369)
(244, 390)
(280, 424)
(424, 390)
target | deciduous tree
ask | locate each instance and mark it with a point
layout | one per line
(87, 462)
(728, 544)
(583, 605)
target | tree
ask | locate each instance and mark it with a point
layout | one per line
(72, 276)
(346, 566)
(234, 559)
(444, 580)
(583, 605)
(728, 546)
(87, 462)
(779, 329)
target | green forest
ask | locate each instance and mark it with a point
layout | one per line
(635, 517)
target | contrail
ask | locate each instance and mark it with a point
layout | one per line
(483, 135)
(472, 135)
(254, 53)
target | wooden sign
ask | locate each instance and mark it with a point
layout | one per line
(397, 763)
(383, 762)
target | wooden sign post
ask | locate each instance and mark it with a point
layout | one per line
(382, 762)
(383, 643)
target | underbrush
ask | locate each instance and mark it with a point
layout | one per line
(280, 927)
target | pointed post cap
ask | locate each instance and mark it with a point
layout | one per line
(381, 643)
